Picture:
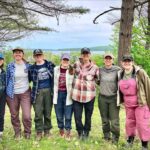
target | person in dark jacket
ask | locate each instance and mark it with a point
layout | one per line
(41, 74)
(2, 94)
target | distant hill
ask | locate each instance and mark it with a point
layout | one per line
(96, 48)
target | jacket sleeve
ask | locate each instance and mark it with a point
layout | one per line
(146, 83)
(7, 75)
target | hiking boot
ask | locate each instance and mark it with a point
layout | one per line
(107, 137)
(115, 139)
(68, 135)
(85, 135)
(62, 133)
(38, 136)
(130, 141)
(144, 148)
(27, 136)
(17, 136)
(47, 134)
(80, 135)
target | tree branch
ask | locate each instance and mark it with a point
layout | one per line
(112, 9)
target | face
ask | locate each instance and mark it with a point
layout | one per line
(1, 62)
(127, 64)
(18, 55)
(39, 58)
(65, 62)
(85, 56)
(108, 61)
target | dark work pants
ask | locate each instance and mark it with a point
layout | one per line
(109, 115)
(2, 110)
(88, 110)
(43, 108)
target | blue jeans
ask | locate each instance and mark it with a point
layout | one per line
(63, 111)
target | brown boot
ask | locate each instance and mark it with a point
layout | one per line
(17, 136)
(38, 136)
(27, 136)
(62, 133)
(47, 134)
(68, 135)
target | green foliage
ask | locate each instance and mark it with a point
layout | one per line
(139, 38)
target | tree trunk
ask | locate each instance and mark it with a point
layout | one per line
(126, 23)
(147, 46)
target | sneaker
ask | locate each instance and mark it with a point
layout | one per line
(62, 133)
(68, 135)
(47, 134)
(38, 136)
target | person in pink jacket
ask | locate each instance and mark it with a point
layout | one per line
(134, 87)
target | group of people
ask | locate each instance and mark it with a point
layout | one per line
(72, 88)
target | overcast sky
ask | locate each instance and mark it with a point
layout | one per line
(74, 31)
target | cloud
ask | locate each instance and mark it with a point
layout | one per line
(74, 31)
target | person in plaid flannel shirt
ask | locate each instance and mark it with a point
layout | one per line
(86, 73)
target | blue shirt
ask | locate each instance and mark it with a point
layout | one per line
(43, 76)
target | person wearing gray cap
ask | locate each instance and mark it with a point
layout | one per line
(41, 74)
(2, 94)
(107, 101)
(62, 96)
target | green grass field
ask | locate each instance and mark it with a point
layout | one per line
(95, 141)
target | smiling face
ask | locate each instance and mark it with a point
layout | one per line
(18, 55)
(108, 61)
(127, 64)
(39, 58)
(65, 63)
(85, 56)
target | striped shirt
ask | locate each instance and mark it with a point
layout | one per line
(84, 83)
